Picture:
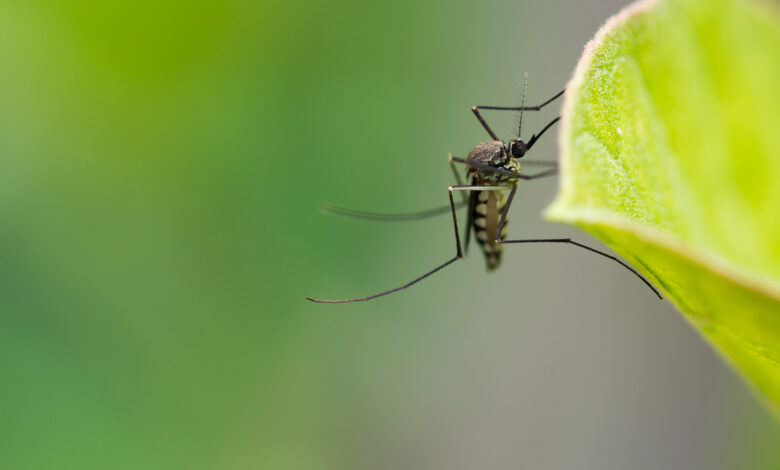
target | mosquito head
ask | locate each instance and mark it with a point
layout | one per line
(517, 148)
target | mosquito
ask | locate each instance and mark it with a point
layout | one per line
(493, 168)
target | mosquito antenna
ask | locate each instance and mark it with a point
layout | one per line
(522, 105)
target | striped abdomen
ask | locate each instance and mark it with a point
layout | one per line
(486, 208)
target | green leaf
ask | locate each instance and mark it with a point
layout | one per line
(670, 146)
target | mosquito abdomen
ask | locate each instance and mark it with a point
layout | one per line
(486, 214)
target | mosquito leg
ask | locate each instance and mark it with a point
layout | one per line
(480, 188)
(397, 217)
(475, 110)
(502, 221)
(402, 216)
(484, 123)
(542, 174)
(538, 163)
(522, 108)
(504, 213)
(571, 242)
(472, 201)
(458, 255)
(370, 297)
(459, 252)
(466, 199)
(501, 171)
(458, 177)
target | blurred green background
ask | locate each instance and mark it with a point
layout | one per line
(161, 166)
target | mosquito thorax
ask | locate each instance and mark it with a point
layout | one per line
(494, 154)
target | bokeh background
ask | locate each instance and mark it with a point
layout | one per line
(161, 166)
